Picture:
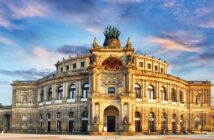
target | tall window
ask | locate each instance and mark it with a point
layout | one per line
(181, 97)
(49, 94)
(41, 95)
(151, 92)
(60, 93)
(137, 90)
(85, 90)
(82, 64)
(49, 122)
(173, 95)
(72, 91)
(71, 114)
(163, 93)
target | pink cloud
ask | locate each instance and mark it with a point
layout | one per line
(168, 44)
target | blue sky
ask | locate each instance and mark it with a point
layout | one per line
(35, 34)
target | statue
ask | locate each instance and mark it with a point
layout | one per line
(95, 45)
(111, 37)
(111, 32)
(96, 119)
(128, 45)
(125, 120)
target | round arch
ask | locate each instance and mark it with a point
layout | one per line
(111, 118)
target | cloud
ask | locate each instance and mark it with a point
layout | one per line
(26, 9)
(209, 55)
(7, 41)
(168, 44)
(124, 1)
(72, 49)
(13, 10)
(26, 74)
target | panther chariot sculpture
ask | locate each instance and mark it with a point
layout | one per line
(111, 37)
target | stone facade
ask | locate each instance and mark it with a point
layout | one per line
(111, 89)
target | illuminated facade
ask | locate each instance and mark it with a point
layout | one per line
(111, 89)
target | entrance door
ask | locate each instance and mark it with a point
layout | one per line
(110, 123)
(71, 126)
(84, 126)
(49, 126)
(137, 126)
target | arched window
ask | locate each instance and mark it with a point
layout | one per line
(58, 122)
(85, 91)
(174, 123)
(164, 123)
(72, 92)
(151, 92)
(41, 122)
(49, 122)
(41, 95)
(181, 97)
(163, 94)
(48, 116)
(49, 94)
(112, 64)
(173, 95)
(137, 90)
(60, 93)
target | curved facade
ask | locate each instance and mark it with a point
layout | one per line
(111, 89)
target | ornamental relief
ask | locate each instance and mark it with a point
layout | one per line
(111, 80)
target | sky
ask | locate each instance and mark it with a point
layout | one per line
(35, 34)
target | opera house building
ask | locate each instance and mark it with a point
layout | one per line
(110, 90)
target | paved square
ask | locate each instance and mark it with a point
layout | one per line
(84, 137)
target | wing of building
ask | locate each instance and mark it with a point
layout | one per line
(110, 89)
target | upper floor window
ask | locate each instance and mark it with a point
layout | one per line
(173, 95)
(163, 93)
(137, 90)
(85, 114)
(49, 94)
(49, 116)
(151, 92)
(60, 93)
(111, 90)
(156, 68)
(71, 114)
(82, 64)
(72, 92)
(67, 67)
(85, 90)
(61, 69)
(181, 97)
(74, 65)
(141, 64)
(149, 66)
(162, 70)
(112, 64)
(41, 95)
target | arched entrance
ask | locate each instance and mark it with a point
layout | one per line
(152, 122)
(6, 122)
(174, 123)
(111, 118)
(137, 122)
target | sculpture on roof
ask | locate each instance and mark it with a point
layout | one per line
(111, 32)
(111, 37)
